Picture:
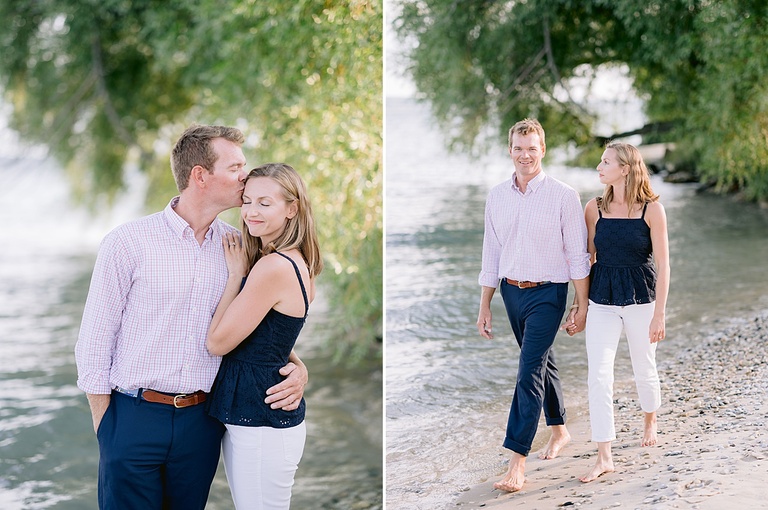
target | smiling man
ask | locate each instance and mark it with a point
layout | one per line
(535, 242)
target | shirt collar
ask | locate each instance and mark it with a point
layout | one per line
(533, 184)
(179, 225)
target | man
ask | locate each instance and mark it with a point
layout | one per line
(141, 354)
(535, 242)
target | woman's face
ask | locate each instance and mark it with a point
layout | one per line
(610, 170)
(264, 210)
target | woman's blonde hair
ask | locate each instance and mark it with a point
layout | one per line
(299, 233)
(637, 189)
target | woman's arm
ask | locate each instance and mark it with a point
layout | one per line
(590, 217)
(237, 265)
(239, 313)
(657, 220)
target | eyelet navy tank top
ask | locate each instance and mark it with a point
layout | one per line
(238, 393)
(624, 273)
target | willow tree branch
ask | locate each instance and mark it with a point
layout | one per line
(70, 107)
(555, 71)
(103, 91)
(523, 74)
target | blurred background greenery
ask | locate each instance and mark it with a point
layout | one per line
(108, 85)
(699, 66)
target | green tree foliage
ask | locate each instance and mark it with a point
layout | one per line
(111, 83)
(700, 65)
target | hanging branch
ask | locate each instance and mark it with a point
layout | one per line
(109, 107)
(69, 108)
(555, 71)
(523, 75)
(55, 134)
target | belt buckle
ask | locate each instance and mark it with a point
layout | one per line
(520, 285)
(175, 404)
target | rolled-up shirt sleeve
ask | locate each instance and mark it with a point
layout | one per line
(575, 236)
(492, 246)
(107, 295)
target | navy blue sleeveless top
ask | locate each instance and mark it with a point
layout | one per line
(623, 273)
(238, 393)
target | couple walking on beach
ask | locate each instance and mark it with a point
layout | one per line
(536, 240)
(186, 343)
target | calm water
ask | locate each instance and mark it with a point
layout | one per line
(48, 451)
(448, 390)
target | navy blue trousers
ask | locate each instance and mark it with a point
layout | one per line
(154, 456)
(535, 316)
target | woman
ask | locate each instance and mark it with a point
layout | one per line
(255, 328)
(627, 237)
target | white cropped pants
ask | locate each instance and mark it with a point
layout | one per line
(604, 326)
(260, 463)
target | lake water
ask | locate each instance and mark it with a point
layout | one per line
(447, 389)
(48, 451)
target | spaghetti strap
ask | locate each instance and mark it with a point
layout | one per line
(644, 208)
(301, 282)
(599, 203)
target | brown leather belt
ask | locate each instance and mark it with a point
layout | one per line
(525, 285)
(177, 401)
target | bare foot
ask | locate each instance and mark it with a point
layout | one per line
(560, 437)
(515, 477)
(509, 485)
(601, 467)
(604, 462)
(649, 432)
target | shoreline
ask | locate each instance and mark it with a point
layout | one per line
(712, 449)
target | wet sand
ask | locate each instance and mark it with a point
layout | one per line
(712, 451)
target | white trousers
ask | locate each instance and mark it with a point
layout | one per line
(604, 326)
(260, 463)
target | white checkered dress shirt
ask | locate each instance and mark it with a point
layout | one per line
(153, 292)
(537, 236)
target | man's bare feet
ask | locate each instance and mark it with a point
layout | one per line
(603, 465)
(515, 477)
(649, 430)
(560, 437)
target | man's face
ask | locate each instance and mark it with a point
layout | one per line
(527, 152)
(228, 174)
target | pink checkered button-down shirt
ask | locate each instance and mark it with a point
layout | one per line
(153, 292)
(537, 236)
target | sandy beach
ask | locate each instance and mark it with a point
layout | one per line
(713, 439)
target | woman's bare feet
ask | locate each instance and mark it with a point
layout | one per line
(603, 465)
(599, 469)
(560, 437)
(515, 478)
(649, 430)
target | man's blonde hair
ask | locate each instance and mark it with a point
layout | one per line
(194, 148)
(526, 127)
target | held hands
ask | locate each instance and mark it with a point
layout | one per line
(287, 394)
(234, 254)
(576, 321)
